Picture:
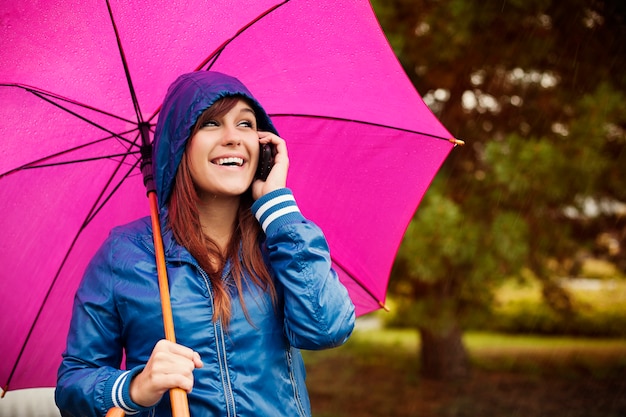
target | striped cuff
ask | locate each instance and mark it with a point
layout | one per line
(276, 209)
(119, 393)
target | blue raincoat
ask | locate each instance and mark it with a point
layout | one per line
(253, 368)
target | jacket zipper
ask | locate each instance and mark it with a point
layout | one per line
(219, 341)
(294, 384)
(221, 351)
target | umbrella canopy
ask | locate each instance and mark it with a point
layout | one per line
(363, 146)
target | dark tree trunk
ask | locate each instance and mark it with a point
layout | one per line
(443, 354)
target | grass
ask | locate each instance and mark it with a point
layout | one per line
(595, 295)
(560, 356)
(377, 374)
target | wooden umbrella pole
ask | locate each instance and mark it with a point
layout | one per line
(178, 396)
(115, 412)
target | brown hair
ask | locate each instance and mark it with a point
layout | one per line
(244, 248)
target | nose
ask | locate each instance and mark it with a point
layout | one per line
(231, 137)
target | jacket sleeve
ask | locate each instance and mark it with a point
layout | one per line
(89, 381)
(318, 311)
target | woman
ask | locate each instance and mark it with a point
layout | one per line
(250, 278)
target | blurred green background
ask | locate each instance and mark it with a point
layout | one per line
(508, 294)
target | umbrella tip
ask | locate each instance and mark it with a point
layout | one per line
(456, 141)
(4, 390)
(384, 306)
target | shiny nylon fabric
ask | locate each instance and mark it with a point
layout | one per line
(361, 145)
(251, 368)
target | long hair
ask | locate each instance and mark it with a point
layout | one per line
(244, 247)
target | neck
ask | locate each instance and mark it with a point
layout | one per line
(218, 217)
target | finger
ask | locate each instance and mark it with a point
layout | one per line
(180, 350)
(266, 137)
(166, 381)
(197, 360)
(169, 348)
(280, 146)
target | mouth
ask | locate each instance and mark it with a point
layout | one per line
(229, 162)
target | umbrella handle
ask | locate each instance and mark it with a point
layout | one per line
(115, 412)
(178, 396)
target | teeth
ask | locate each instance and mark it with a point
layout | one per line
(230, 161)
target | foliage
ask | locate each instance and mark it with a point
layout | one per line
(600, 309)
(458, 241)
(537, 88)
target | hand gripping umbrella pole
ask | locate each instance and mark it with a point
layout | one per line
(178, 396)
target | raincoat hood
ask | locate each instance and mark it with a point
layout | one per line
(186, 99)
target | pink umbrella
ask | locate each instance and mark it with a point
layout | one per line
(363, 146)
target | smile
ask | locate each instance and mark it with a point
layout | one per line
(229, 162)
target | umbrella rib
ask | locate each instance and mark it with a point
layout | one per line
(76, 161)
(98, 205)
(363, 122)
(91, 122)
(37, 163)
(96, 208)
(223, 46)
(129, 80)
(210, 60)
(39, 92)
(359, 282)
(213, 57)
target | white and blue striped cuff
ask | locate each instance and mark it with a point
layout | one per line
(120, 393)
(275, 209)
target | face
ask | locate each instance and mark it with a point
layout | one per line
(224, 153)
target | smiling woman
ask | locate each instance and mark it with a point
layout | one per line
(72, 181)
(251, 279)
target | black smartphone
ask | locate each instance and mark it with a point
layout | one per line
(266, 160)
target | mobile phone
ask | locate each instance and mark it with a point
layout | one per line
(266, 160)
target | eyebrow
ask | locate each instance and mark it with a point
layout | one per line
(248, 110)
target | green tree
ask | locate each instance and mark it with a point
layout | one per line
(443, 267)
(536, 88)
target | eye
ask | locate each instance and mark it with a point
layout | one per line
(210, 123)
(247, 123)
